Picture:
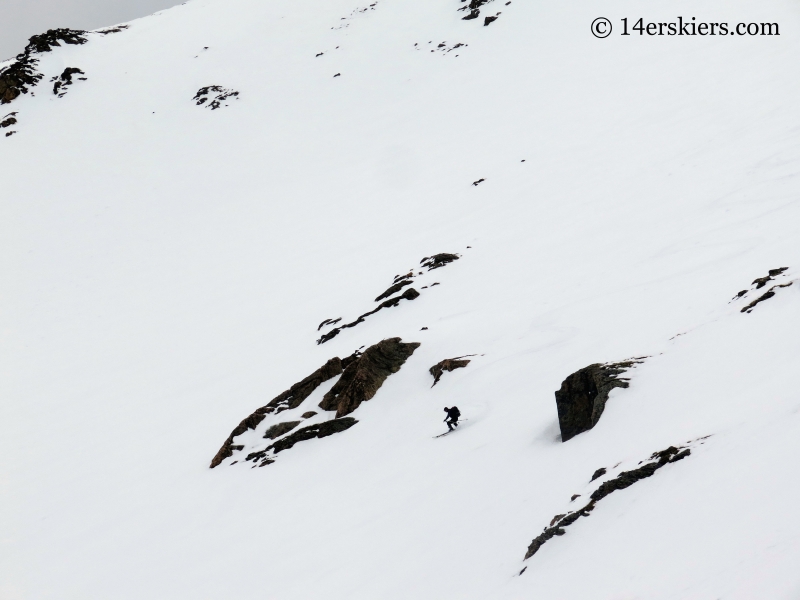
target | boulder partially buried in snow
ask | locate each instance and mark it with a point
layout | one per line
(364, 376)
(583, 395)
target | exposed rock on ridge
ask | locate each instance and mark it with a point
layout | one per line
(409, 294)
(583, 395)
(364, 376)
(291, 398)
(620, 482)
(19, 76)
(761, 282)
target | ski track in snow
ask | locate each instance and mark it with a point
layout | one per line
(165, 268)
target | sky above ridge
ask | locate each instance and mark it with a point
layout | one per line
(23, 18)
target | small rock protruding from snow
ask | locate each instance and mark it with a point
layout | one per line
(448, 364)
(216, 94)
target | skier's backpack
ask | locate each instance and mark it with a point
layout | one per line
(454, 412)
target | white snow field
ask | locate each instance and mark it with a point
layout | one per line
(165, 267)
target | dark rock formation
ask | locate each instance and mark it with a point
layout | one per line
(8, 120)
(21, 75)
(228, 447)
(328, 322)
(762, 281)
(44, 42)
(363, 377)
(488, 20)
(65, 80)
(583, 395)
(474, 9)
(620, 482)
(394, 289)
(749, 308)
(409, 294)
(301, 390)
(438, 260)
(279, 429)
(599, 473)
(320, 430)
(291, 398)
(448, 364)
(308, 415)
(217, 94)
(18, 77)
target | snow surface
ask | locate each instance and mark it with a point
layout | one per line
(165, 266)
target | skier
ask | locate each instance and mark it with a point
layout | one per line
(452, 417)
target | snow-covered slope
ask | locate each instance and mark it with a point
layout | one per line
(165, 267)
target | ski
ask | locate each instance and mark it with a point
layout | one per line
(448, 432)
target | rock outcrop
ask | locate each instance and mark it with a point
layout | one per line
(280, 429)
(320, 430)
(448, 364)
(620, 482)
(438, 260)
(365, 375)
(227, 449)
(583, 395)
(409, 294)
(63, 81)
(761, 282)
(291, 398)
(301, 390)
(214, 96)
(17, 78)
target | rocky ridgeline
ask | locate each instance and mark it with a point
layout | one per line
(761, 282)
(436, 261)
(21, 75)
(583, 395)
(625, 479)
(360, 377)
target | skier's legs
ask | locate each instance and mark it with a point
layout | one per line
(450, 425)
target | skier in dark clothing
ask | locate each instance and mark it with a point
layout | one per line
(452, 417)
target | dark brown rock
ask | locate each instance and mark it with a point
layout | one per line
(294, 396)
(448, 364)
(438, 260)
(583, 395)
(328, 322)
(394, 289)
(320, 430)
(409, 294)
(308, 415)
(620, 482)
(44, 42)
(599, 473)
(291, 398)
(65, 80)
(227, 448)
(279, 429)
(749, 308)
(365, 375)
(19, 76)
